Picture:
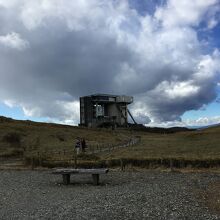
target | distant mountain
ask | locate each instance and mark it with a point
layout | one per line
(5, 119)
(208, 126)
(141, 127)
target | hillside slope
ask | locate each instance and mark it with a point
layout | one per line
(190, 145)
(17, 136)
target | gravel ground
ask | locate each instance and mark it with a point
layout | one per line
(121, 195)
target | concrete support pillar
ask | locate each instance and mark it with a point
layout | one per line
(95, 178)
(66, 179)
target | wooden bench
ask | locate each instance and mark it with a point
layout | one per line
(67, 172)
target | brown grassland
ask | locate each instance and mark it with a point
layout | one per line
(26, 138)
(203, 144)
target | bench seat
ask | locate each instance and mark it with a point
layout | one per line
(67, 172)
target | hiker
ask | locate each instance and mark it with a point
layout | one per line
(83, 144)
(78, 145)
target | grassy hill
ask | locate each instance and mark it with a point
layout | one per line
(18, 136)
(203, 144)
(25, 137)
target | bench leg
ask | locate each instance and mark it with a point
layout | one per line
(95, 178)
(66, 179)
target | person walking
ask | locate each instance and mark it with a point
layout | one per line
(78, 145)
(83, 144)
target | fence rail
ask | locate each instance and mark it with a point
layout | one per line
(110, 147)
(67, 154)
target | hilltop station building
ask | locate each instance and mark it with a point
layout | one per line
(104, 109)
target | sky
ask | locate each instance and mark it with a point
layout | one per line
(165, 53)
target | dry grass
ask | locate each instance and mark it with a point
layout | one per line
(26, 137)
(186, 145)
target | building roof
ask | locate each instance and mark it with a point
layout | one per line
(110, 98)
(101, 94)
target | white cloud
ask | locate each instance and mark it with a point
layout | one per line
(68, 112)
(140, 112)
(203, 121)
(13, 40)
(32, 111)
(212, 23)
(200, 122)
(71, 110)
(76, 15)
(9, 3)
(184, 12)
(208, 66)
(174, 90)
(10, 103)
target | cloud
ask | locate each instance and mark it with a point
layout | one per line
(74, 48)
(13, 40)
(212, 23)
(185, 13)
(200, 122)
(9, 4)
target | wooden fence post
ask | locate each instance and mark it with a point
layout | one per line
(122, 165)
(75, 160)
(171, 165)
(60, 155)
(38, 158)
(32, 162)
